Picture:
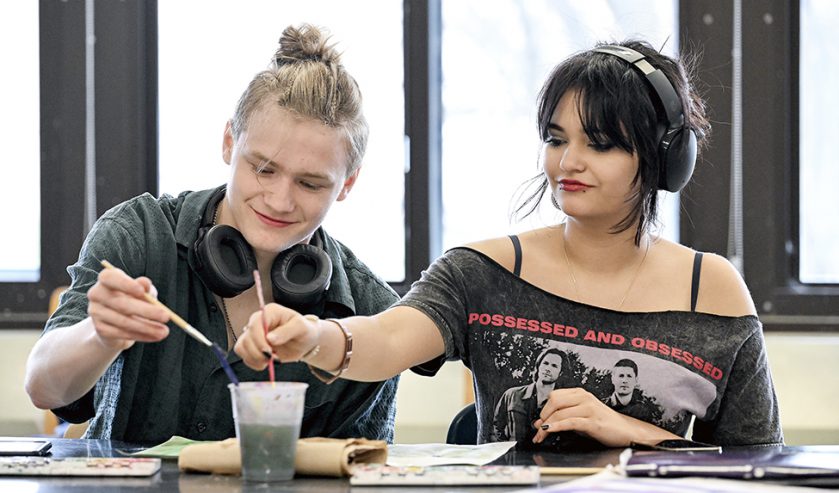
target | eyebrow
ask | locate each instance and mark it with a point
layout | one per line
(554, 126)
(262, 159)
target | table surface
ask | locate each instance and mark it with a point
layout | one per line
(169, 478)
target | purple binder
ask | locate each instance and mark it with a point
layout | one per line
(772, 463)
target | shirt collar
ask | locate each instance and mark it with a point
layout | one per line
(339, 291)
(190, 216)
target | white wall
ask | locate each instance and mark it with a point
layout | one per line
(18, 417)
(805, 368)
(806, 373)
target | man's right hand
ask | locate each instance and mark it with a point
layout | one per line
(120, 312)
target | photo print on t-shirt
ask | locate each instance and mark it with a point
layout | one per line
(640, 385)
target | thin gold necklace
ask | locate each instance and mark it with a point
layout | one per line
(628, 289)
(227, 320)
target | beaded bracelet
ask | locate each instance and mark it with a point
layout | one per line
(345, 363)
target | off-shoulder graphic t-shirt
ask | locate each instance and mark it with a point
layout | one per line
(670, 368)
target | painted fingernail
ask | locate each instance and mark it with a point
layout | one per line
(544, 427)
(266, 354)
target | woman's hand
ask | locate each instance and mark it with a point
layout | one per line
(121, 314)
(578, 410)
(290, 336)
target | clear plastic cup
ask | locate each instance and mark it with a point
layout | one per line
(268, 417)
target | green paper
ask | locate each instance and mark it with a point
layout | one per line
(170, 449)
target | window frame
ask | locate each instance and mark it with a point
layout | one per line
(125, 141)
(770, 142)
(126, 145)
(783, 302)
(423, 128)
(24, 304)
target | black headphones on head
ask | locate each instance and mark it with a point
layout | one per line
(225, 262)
(676, 142)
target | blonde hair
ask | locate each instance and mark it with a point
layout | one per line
(307, 78)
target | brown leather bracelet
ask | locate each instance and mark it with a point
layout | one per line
(345, 363)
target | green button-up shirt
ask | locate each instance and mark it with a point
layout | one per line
(176, 386)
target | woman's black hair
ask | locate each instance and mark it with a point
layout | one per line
(616, 106)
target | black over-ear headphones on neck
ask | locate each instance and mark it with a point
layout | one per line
(225, 262)
(676, 142)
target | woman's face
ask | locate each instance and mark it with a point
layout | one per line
(589, 180)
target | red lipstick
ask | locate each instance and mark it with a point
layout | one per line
(572, 185)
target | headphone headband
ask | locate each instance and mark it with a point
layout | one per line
(676, 142)
(662, 88)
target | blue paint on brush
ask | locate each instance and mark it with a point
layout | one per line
(222, 358)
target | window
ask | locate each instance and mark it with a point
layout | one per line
(819, 175)
(49, 230)
(458, 61)
(202, 74)
(788, 257)
(495, 59)
(20, 259)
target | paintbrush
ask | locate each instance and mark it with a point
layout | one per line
(189, 329)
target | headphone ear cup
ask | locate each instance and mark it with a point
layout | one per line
(677, 149)
(300, 277)
(224, 261)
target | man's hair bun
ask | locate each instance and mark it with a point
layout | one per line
(305, 43)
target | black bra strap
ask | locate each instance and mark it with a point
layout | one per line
(517, 248)
(694, 282)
